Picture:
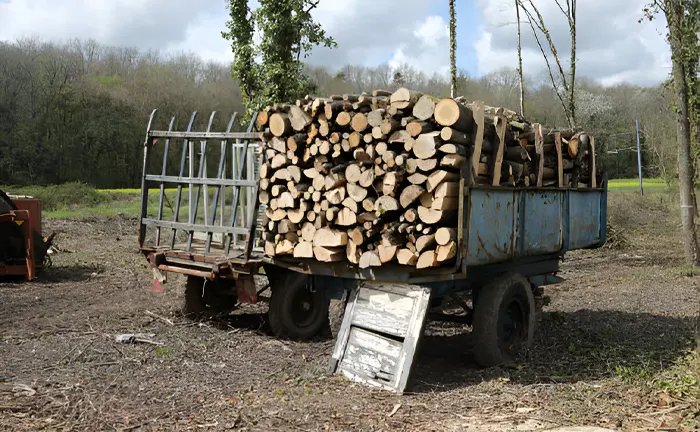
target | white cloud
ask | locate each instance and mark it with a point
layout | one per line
(611, 45)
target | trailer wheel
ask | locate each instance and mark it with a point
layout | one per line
(201, 300)
(504, 320)
(297, 311)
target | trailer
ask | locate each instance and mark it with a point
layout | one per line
(23, 249)
(511, 242)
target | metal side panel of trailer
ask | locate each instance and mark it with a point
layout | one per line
(528, 229)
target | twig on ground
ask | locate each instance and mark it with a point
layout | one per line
(162, 318)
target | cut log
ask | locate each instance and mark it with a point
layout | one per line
(380, 92)
(404, 98)
(346, 217)
(447, 251)
(406, 257)
(390, 182)
(328, 237)
(424, 107)
(424, 242)
(444, 235)
(449, 112)
(307, 232)
(334, 180)
(387, 253)
(450, 148)
(367, 178)
(456, 137)
(269, 248)
(417, 178)
(280, 124)
(279, 161)
(359, 122)
(452, 161)
(410, 194)
(426, 145)
(385, 204)
(356, 192)
(335, 196)
(425, 165)
(388, 126)
(344, 118)
(352, 252)
(278, 144)
(370, 259)
(376, 117)
(351, 204)
(329, 254)
(285, 201)
(298, 118)
(416, 128)
(438, 177)
(368, 204)
(297, 215)
(275, 215)
(432, 217)
(284, 247)
(304, 249)
(427, 259)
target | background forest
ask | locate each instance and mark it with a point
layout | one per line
(78, 111)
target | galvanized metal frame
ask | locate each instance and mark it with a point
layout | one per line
(195, 181)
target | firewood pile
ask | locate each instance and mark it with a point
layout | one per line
(374, 179)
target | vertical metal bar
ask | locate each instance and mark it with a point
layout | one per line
(220, 174)
(200, 174)
(251, 175)
(183, 160)
(144, 185)
(162, 185)
(237, 189)
(190, 187)
(639, 161)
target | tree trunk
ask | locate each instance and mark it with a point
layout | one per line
(453, 49)
(520, 60)
(674, 16)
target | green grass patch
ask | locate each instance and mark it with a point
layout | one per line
(633, 184)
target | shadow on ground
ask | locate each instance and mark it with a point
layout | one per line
(584, 345)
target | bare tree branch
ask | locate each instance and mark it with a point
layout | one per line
(549, 69)
(552, 47)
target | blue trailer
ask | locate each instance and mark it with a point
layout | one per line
(510, 243)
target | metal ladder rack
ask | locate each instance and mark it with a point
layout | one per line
(226, 215)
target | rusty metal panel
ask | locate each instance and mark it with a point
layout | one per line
(492, 226)
(584, 219)
(541, 224)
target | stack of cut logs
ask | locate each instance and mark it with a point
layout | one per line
(374, 179)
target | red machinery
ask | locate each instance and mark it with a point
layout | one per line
(22, 248)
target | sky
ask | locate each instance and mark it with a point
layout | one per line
(612, 46)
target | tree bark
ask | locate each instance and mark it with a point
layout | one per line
(674, 16)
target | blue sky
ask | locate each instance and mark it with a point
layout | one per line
(468, 24)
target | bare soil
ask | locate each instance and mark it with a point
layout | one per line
(620, 319)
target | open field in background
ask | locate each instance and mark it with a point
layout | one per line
(79, 200)
(613, 346)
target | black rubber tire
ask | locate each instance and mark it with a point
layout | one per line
(504, 320)
(297, 311)
(196, 303)
(336, 313)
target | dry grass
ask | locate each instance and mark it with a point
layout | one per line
(612, 349)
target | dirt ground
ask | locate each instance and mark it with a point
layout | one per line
(620, 318)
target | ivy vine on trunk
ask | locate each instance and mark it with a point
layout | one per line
(271, 71)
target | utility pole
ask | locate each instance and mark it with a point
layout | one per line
(639, 160)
